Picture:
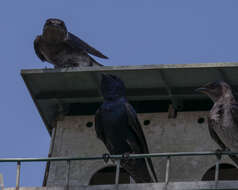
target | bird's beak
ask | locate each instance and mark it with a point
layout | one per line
(201, 89)
(104, 75)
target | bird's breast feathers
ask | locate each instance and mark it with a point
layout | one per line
(225, 127)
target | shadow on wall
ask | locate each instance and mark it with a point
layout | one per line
(226, 172)
(107, 176)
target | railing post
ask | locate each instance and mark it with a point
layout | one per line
(1, 182)
(18, 175)
(217, 169)
(167, 171)
(131, 180)
(117, 171)
(67, 173)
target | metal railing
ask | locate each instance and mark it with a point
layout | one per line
(117, 158)
(1, 182)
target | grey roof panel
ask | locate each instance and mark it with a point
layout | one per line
(53, 89)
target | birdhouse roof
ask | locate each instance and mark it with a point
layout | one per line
(150, 88)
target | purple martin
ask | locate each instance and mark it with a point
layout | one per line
(63, 49)
(223, 117)
(117, 125)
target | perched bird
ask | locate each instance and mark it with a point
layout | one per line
(62, 49)
(223, 117)
(117, 125)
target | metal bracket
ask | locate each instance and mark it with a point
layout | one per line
(177, 104)
(172, 112)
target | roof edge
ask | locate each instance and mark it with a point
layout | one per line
(134, 67)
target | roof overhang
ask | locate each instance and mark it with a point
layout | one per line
(56, 91)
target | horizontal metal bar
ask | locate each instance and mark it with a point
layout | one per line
(173, 154)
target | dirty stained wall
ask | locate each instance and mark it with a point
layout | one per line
(183, 134)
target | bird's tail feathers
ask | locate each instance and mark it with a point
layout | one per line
(149, 162)
(94, 62)
(234, 159)
(138, 170)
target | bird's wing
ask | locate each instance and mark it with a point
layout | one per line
(77, 43)
(234, 112)
(95, 62)
(136, 127)
(37, 49)
(213, 134)
(98, 126)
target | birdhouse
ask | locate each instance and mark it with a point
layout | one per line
(173, 117)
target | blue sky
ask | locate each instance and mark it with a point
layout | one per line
(130, 32)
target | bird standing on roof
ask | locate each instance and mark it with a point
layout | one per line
(223, 117)
(117, 125)
(63, 49)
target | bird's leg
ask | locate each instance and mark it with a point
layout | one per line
(223, 149)
(218, 153)
(126, 156)
(106, 157)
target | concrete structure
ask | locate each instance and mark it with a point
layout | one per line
(182, 134)
(68, 98)
(149, 186)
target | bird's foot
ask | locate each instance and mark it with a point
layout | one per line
(126, 156)
(106, 157)
(226, 150)
(219, 151)
(222, 150)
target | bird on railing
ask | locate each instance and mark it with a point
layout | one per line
(63, 49)
(223, 117)
(117, 125)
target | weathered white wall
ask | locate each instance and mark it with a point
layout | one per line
(145, 186)
(182, 134)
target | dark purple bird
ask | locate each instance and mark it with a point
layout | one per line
(62, 49)
(223, 117)
(117, 125)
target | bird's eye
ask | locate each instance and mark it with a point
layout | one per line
(114, 77)
(213, 85)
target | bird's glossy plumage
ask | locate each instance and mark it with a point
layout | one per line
(116, 124)
(63, 49)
